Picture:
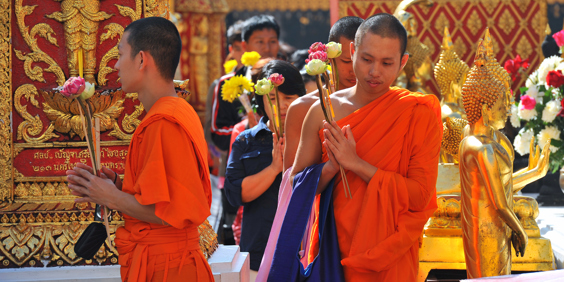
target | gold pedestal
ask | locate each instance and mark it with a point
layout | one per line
(442, 246)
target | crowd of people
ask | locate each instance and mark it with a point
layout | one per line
(283, 198)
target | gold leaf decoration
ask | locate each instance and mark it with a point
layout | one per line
(31, 125)
(64, 112)
(474, 23)
(490, 5)
(506, 22)
(6, 178)
(441, 22)
(524, 48)
(37, 55)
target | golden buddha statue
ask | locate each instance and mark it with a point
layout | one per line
(452, 135)
(418, 68)
(450, 73)
(489, 224)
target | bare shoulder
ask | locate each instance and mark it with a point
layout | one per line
(303, 103)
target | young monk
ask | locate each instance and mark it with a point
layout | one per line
(166, 193)
(388, 142)
(343, 32)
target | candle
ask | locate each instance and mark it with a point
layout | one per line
(80, 62)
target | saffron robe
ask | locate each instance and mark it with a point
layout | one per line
(166, 166)
(380, 227)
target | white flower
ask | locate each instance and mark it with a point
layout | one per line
(527, 114)
(533, 91)
(89, 89)
(549, 132)
(315, 67)
(333, 50)
(263, 86)
(550, 63)
(550, 111)
(522, 141)
(515, 121)
(532, 79)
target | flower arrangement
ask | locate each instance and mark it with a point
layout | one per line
(540, 108)
(321, 62)
(239, 85)
(77, 88)
(263, 87)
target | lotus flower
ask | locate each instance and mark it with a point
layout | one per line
(73, 87)
(315, 67)
(276, 79)
(334, 50)
(263, 86)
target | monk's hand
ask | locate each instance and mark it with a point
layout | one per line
(340, 142)
(91, 188)
(277, 154)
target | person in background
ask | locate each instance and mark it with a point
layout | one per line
(260, 34)
(254, 169)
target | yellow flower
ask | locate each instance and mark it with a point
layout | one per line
(250, 58)
(229, 66)
(234, 87)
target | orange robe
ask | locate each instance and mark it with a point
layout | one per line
(166, 166)
(379, 228)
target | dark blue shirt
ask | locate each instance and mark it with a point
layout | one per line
(250, 154)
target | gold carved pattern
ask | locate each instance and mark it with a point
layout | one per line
(490, 5)
(506, 22)
(524, 48)
(441, 22)
(31, 125)
(474, 23)
(156, 8)
(48, 238)
(43, 30)
(217, 24)
(81, 20)
(64, 112)
(113, 30)
(289, 5)
(6, 178)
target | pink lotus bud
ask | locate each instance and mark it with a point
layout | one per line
(527, 102)
(320, 55)
(73, 87)
(559, 38)
(317, 46)
(276, 79)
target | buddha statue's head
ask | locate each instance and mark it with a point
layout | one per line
(452, 136)
(450, 71)
(483, 95)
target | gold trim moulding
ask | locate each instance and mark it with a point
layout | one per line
(70, 144)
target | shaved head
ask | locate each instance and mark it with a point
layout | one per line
(385, 26)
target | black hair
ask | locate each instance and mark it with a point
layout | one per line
(345, 27)
(234, 32)
(259, 22)
(160, 38)
(384, 25)
(293, 82)
(298, 58)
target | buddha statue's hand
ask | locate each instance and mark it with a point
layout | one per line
(519, 242)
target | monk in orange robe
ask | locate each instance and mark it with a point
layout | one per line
(166, 193)
(388, 142)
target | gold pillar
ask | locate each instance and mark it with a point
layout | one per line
(6, 173)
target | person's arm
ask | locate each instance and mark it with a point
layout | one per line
(240, 187)
(102, 191)
(255, 185)
(310, 151)
(421, 177)
(292, 130)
